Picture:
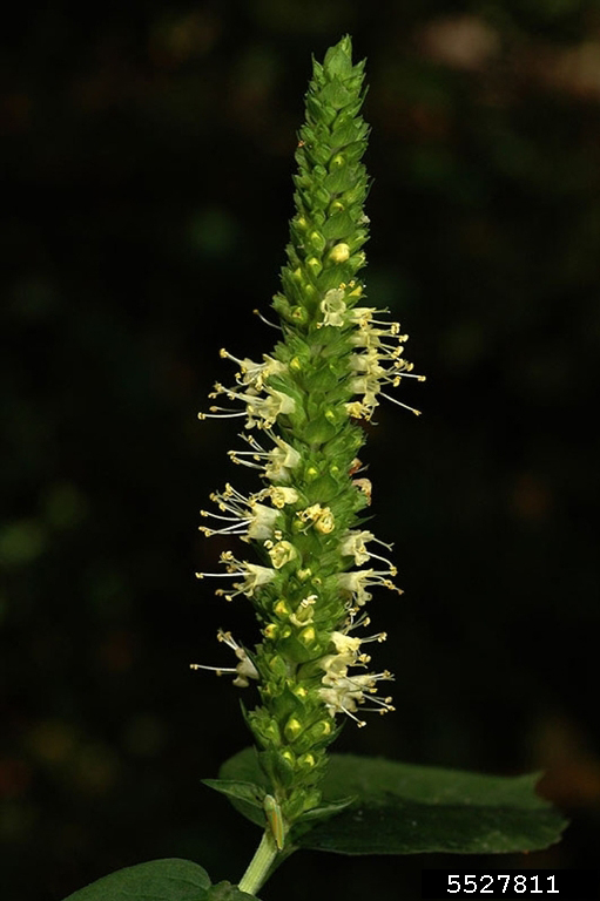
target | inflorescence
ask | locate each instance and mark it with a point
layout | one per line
(302, 407)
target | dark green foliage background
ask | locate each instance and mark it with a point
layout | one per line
(148, 153)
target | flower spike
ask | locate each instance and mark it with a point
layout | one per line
(336, 360)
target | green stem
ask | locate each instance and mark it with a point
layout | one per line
(260, 865)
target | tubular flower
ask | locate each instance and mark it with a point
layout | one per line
(244, 670)
(334, 364)
(260, 411)
(276, 464)
(333, 307)
(248, 517)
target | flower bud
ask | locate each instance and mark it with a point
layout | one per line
(340, 253)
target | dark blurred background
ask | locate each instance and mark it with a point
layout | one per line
(148, 153)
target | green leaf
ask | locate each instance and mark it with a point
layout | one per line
(158, 880)
(328, 809)
(244, 801)
(234, 788)
(405, 809)
(324, 811)
(225, 891)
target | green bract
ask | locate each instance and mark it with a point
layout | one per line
(314, 563)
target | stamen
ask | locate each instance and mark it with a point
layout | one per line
(266, 321)
(224, 415)
(393, 570)
(216, 575)
(359, 723)
(233, 456)
(235, 529)
(400, 404)
(217, 516)
(219, 670)
(390, 547)
(413, 375)
(379, 637)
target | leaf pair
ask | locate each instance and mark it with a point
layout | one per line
(394, 808)
(398, 808)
